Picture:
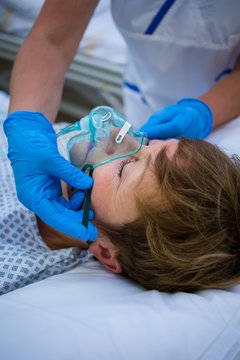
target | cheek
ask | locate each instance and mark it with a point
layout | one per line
(102, 193)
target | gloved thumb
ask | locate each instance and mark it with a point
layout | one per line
(64, 170)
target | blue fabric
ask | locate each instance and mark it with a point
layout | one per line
(38, 166)
(136, 89)
(223, 73)
(159, 17)
(132, 86)
(191, 118)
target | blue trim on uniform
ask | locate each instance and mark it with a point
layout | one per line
(132, 86)
(159, 16)
(222, 73)
(136, 89)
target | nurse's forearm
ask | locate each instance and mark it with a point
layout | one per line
(224, 98)
(37, 79)
(38, 74)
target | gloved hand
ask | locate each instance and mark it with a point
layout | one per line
(191, 118)
(38, 166)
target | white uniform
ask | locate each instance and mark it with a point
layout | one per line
(176, 49)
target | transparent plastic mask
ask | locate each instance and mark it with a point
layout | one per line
(100, 137)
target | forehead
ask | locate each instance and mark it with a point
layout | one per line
(170, 145)
(156, 146)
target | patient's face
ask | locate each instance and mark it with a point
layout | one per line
(114, 190)
(117, 183)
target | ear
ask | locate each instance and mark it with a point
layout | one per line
(106, 254)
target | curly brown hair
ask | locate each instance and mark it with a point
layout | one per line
(188, 235)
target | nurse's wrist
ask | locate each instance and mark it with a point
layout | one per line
(27, 120)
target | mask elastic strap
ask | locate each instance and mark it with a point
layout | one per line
(87, 201)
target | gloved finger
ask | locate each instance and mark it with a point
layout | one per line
(76, 201)
(66, 220)
(162, 131)
(172, 129)
(181, 123)
(64, 170)
(160, 117)
(76, 205)
(91, 215)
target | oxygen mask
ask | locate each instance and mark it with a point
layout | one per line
(98, 138)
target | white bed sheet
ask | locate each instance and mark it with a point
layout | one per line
(227, 137)
(90, 313)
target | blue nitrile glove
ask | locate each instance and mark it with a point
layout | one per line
(38, 166)
(191, 118)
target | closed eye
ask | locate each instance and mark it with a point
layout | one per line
(121, 166)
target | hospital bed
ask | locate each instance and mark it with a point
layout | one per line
(95, 75)
(90, 313)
